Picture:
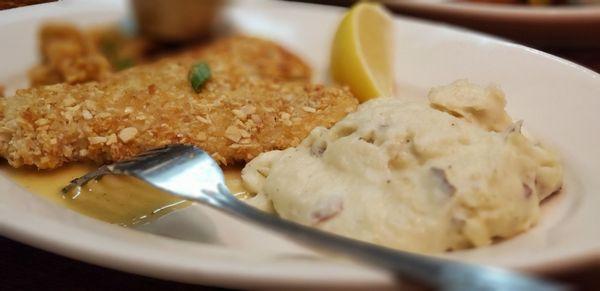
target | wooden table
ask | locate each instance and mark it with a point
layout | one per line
(26, 268)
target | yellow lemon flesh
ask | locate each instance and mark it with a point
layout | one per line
(361, 55)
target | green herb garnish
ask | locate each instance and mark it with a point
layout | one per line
(122, 64)
(109, 47)
(199, 74)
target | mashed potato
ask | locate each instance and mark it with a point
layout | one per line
(452, 173)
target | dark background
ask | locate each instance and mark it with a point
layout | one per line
(25, 268)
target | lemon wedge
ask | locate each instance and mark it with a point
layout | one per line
(361, 55)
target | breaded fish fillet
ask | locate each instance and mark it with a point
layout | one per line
(258, 99)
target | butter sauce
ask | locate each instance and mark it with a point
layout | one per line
(115, 199)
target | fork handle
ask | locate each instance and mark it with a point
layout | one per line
(433, 272)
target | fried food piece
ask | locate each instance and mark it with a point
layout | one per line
(258, 99)
(68, 55)
(123, 50)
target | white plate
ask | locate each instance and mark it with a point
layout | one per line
(558, 100)
(542, 26)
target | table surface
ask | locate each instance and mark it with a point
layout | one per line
(26, 268)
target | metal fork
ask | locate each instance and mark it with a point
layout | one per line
(188, 172)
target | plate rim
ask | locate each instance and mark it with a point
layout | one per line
(506, 12)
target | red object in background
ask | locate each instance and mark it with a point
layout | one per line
(7, 4)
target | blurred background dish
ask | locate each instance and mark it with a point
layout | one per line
(575, 24)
